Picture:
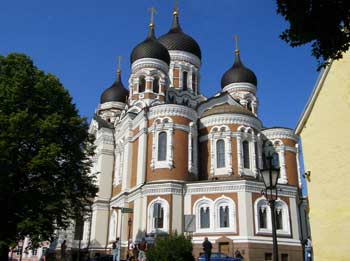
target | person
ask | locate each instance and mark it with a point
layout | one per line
(308, 249)
(207, 246)
(63, 250)
(131, 247)
(142, 247)
(238, 254)
(115, 250)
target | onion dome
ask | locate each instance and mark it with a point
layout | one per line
(238, 73)
(150, 48)
(177, 40)
(115, 93)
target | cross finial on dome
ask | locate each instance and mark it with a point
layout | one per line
(176, 8)
(153, 11)
(118, 68)
(236, 44)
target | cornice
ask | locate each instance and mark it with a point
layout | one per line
(149, 63)
(172, 110)
(280, 133)
(225, 118)
(242, 86)
(185, 57)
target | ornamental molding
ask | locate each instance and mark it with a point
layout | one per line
(185, 57)
(112, 105)
(225, 118)
(104, 138)
(149, 63)
(292, 149)
(172, 110)
(240, 87)
(280, 133)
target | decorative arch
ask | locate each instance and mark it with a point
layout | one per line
(225, 213)
(203, 210)
(158, 216)
(247, 151)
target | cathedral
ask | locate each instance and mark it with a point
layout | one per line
(170, 160)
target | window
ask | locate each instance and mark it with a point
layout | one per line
(279, 219)
(158, 216)
(220, 154)
(224, 216)
(268, 256)
(156, 85)
(249, 106)
(204, 217)
(194, 83)
(246, 163)
(142, 84)
(256, 155)
(275, 160)
(184, 80)
(262, 218)
(162, 146)
(284, 257)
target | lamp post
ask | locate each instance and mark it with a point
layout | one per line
(269, 175)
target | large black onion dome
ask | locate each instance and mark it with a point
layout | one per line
(238, 73)
(150, 48)
(115, 93)
(177, 40)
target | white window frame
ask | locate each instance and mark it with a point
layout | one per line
(204, 202)
(222, 132)
(223, 202)
(192, 149)
(112, 233)
(279, 204)
(162, 125)
(150, 223)
(119, 163)
(247, 134)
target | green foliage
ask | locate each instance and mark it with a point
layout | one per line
(45, 153)
(171, 248)
(323, 23)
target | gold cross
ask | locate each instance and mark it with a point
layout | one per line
(119, 62)
(176, 6)
(153, 11)
(236, 42)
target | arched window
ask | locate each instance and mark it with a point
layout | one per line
(275, 160)
(262, 217)
(142, 84)
(224, 216)
(156, 85)
(246, 163)
(249, 106)
(204, 217)
(184, 80)
(220, 154)
(194, 83)
(279, 218)
(162, 144)
(158, 216)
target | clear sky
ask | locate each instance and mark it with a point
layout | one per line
(79, 40)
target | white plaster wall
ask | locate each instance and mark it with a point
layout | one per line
(177, 214)
(245, 214)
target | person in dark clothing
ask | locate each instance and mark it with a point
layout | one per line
(238, 254)
(207, 248)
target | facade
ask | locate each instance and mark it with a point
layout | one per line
(170, 154)
(326, 158)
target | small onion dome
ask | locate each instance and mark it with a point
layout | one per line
(177, 40)
(115, 93)
(150, 48)
(238, 73)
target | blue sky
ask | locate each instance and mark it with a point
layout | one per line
(78, 41)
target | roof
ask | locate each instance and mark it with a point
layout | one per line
(227, 108)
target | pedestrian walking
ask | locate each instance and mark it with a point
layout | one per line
(142, 247)
(131, 249)
(115, 250)
(238, 254)
(207, 246)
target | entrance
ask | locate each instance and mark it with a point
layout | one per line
(224, 248)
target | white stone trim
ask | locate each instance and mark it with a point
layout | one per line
(150, 222)
(192, 149)
(226, 118)
(172, 110)
(280, 133)
(240, 87)
(225, 201)
(162, 125)
(204, 202)
(185, 57)
(246, 133)
(149, 63)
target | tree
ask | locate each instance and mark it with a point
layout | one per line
(171, 248)
(45, 154)
(323, 23)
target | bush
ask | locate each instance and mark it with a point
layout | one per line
(171, 248)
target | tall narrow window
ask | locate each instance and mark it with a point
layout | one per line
(224, 216)
(142, 84)
(194, 82)
(279, 219)
(162, 144)
(246, 162)
(256, 155)
(249, 106)
(262, 218)
(156, 85)
(158, 215)
(205, 217)
(184, 80)
(275, 160)
(220, 154)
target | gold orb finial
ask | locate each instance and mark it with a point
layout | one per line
(176, 8)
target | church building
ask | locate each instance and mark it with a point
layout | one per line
(169, 159)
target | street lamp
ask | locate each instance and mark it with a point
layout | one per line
(270, 176)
